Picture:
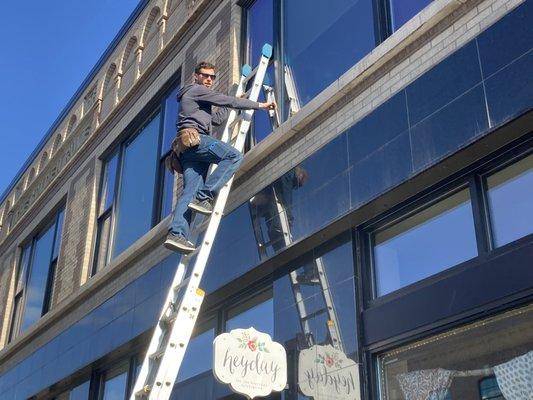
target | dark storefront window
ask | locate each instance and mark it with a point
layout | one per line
(403, 10)
(199, 355)
(510, 198)
(488, 359)
(35, 276)
(424, 244)
(257, 313)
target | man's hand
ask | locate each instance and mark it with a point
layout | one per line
(268, 106)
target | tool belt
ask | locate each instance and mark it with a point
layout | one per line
(186, 138)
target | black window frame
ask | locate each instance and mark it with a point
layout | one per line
(489, 258)
(475, 182)
(19, 297)
(382, 28)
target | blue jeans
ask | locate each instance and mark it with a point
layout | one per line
(195, 162)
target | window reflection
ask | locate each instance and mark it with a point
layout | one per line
(510, 199)
(403, 10)
(137, 184)
(260, 28)
(80, 392)
(315, 320)
(424, 244)
(257, 313)
(115, 387)
(323, 39)
(199, 355)
(36, 276)
(483, 360)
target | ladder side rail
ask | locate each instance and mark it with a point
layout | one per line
(169, 305)
(181, 332)
(158, 334)
(287, 238)
(333, 328)
(332, 324)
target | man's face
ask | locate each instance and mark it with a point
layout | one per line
(205, 77)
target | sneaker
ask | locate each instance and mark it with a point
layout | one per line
(202, 206)
(178, 243)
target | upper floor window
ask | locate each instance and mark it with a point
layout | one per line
(495, 209)
(320, 41)
(316, 42)
(510, 201)
(424, 244)
(260, 28)
(35, 276)
(136, 189)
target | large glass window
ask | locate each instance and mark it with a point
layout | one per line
(136, 189)
(35, 276)
(510, 200)
(260, 28)
(135, 197)
(319, 41)
(488, 359)
(424, 244)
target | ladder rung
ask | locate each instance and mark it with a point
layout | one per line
(168, 319)
(314, 314)
(182, 284)
(157, 355)
(251, 75)
(144, 392)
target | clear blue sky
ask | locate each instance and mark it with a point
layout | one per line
(48, 48)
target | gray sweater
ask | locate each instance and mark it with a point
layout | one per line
(196, 103)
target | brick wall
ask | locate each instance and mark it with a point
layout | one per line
(7, 265)
(77, 234)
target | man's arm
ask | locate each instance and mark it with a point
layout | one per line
(202, 93)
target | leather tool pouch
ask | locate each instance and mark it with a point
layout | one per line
(187, 137)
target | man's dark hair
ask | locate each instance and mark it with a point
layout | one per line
(204, 65)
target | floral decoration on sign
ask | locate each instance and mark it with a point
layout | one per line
(252, 343)
(329, 360)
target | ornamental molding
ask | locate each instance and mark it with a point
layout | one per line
(53, 168)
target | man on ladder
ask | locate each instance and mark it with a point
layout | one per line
(194, 150)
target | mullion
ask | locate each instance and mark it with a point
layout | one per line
(51, 269)
(479, 209)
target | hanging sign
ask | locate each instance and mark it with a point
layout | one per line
(250, 362)
(325, 373)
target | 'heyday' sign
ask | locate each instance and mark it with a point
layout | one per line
(250, 362)
(325, 373)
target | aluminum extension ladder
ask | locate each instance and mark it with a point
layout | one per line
(178, 317)
(281, 212)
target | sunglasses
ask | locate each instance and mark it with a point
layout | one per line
(205, 76)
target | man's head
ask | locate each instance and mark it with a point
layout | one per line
(204, 74)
